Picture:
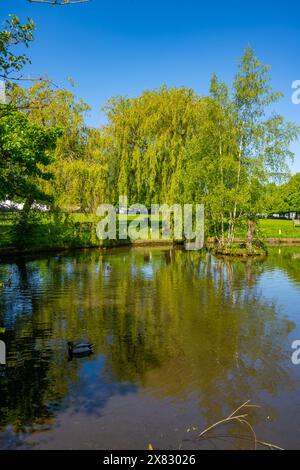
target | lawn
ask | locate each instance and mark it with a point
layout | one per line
(50, 230)
(77, 231)
(270, 228)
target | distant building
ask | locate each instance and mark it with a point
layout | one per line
(285, 215)
(11, 206)
(18, 206)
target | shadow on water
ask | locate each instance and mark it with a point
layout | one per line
(180, 338)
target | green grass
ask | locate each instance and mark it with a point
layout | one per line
(50, 230)
(239, 250)
(79, 230)
(270, 228)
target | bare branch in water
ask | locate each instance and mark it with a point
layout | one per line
(243, 420)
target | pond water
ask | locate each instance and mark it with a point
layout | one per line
(180, 340)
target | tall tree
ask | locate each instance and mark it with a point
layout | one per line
(239, 147)
(79, 169)
(286, 197)
(263, 139)
(26, 151)
(145, 141)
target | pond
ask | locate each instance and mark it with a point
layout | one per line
(180, 340)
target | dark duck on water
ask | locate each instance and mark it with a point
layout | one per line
(80, 349)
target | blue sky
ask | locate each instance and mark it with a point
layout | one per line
(114, 47)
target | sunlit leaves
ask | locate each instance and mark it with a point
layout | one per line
(14, 34)
(26, 149)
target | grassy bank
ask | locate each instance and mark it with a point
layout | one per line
(47, 230)
(58, 230)
(278, 229)
(270, 228)
(55, 230)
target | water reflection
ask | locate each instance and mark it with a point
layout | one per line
(177, 335)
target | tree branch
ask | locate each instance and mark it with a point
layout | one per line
(28, 79)
(59, 2)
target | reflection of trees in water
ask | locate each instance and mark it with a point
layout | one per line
(25, 387)
(50, 301)
(287, 259)
(233, 342)
(190, 323)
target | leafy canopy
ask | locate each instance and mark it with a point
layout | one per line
(26, 150)
(13, 35)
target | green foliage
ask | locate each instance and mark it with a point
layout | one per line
(57, 229)
(291, 194)
(13, 35)
(79, 169)
(166, 146)
(238, 148)
(240, 249)
(145, 142)
(285, 198)
(50, 107)
(26, 149)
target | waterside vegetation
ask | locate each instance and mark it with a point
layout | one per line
(226, 150)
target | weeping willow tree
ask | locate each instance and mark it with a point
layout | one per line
(82, 182)
(145, 142)
(79, 169)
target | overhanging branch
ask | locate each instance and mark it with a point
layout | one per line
(28, 79)
(59, 2)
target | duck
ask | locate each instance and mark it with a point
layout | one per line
(82, 349)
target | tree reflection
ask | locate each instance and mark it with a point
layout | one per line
(192, 323)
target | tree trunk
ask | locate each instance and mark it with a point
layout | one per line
(26, 208)
(237, 188)
(250, 232)
(21, 230)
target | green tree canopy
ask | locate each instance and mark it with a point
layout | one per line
(79, 168)
(145, 142)
(238, 148)
(26, 149)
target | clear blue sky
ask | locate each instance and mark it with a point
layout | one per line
(113, 47)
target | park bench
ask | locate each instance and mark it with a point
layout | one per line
(297, 223)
